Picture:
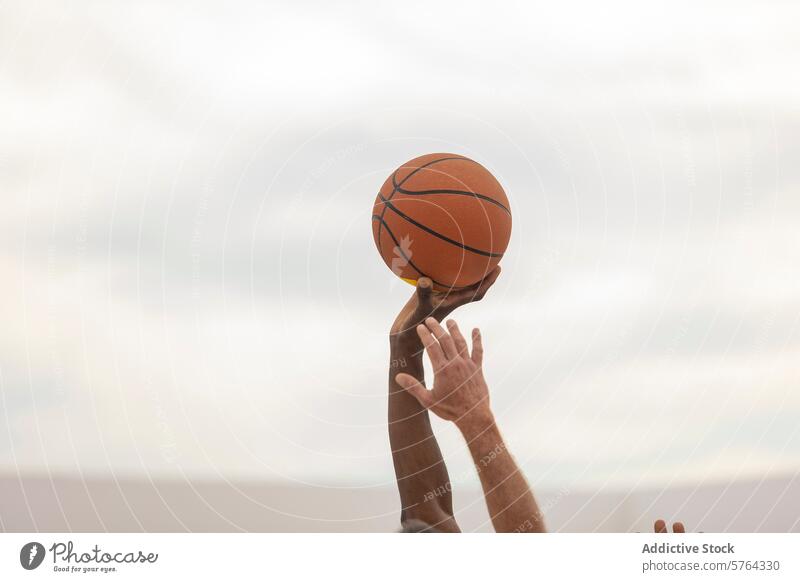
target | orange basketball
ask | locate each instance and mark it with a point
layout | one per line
(441, 216)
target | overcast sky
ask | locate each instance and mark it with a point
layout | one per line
(190, 286)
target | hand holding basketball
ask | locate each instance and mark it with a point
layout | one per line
(427, 302)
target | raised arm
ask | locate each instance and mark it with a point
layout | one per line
(460, 394)
(422, 479)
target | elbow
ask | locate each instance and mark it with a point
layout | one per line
(429, 517)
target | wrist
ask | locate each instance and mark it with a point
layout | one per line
(406, 340)
(476, 422)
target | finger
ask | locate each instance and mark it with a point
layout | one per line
(458, 339)
(424, 287)
(415, 388)
(487, 282)
(448, 346)
(660, 526)
(677, 527)
(432, 347)
(473, 292)
(477, 347)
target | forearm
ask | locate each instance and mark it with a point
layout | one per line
(509, 499)
(422, 478)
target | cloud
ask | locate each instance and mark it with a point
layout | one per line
(191, 284)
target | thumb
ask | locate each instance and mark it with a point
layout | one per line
(424, 287)
(415, 388)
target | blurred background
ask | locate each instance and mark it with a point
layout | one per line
(194, 318)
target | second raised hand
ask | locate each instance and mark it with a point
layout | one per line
(459, 393)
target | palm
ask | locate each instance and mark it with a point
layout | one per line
(463, 376)
(459, 390)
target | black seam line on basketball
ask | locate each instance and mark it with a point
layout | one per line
(436, 234)
(422, 167)
(397, 245)
(383, 210)
(407, 258)
(395, 185)
(458, 192)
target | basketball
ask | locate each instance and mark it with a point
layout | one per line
(442, 216)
